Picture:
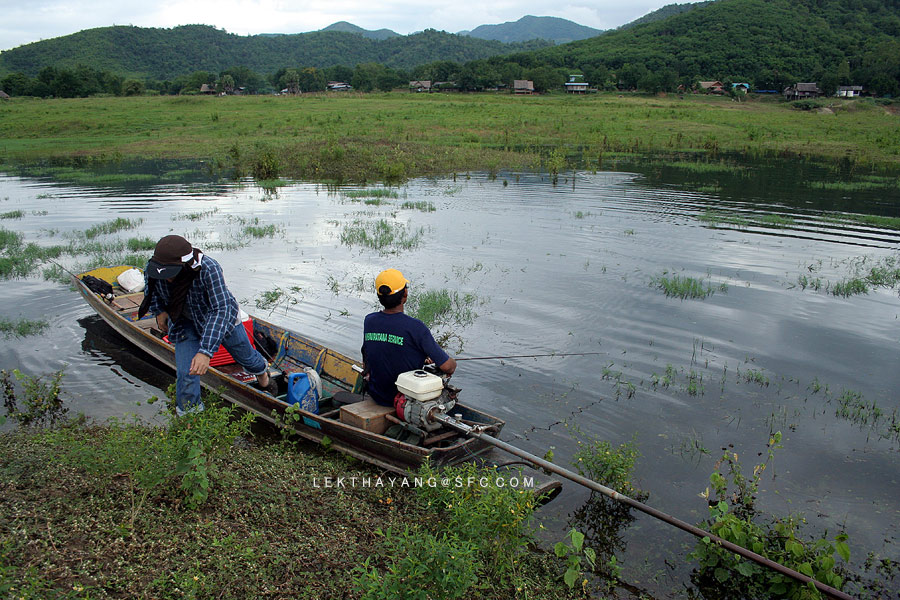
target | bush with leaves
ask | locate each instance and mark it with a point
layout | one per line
(733, 517)
(425, 566)
(38, 400)
(493, 518)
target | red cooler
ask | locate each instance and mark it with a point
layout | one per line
(222, 357)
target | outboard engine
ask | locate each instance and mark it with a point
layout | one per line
(426, 395)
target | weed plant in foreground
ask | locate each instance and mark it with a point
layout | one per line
(733, 516)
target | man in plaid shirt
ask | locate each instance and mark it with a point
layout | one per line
(187, 293)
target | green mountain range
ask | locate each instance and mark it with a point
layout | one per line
(530, 28)
(167, 53)
(768, 42)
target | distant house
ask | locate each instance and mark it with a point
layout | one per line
(523, 86)
(444, 86)
(740, 88)
(4, 95)
(576, 85)
(207, 89)
(799, 91)
(419, 86)
(712, 87)
(339, 86)
(849, 91)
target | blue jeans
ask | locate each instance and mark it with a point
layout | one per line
(187, 387)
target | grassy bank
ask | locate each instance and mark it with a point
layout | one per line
(394, 136)
(271, 528)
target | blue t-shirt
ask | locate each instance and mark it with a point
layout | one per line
(393, 344)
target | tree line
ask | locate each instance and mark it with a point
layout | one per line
(769, 44)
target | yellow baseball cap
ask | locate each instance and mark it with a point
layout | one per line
(389, 282)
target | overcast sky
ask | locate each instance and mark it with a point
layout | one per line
(25, 21)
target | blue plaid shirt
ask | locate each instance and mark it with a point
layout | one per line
(209, 305)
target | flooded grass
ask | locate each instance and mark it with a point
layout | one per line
(443, 307)
(873, 220)
(139, 244)
(382, 235)
(116, 225)
(382, 193)
(195, 216)
(773, 220)
(421, 205)
(260, 231)
(13, 214)
(706, 168)
(679, 286)
(718, 217)
(270, 300)
(862, 274)
(22, 327)
(271, 185)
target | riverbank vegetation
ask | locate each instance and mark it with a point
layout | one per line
(194, 507)
(392, 137)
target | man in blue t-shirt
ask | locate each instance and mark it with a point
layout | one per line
(394, 342)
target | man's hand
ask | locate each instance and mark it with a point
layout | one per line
(162, 321)
(199, 364)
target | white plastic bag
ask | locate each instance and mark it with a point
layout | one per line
(131, 280)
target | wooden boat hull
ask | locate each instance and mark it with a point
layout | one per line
(335, 369)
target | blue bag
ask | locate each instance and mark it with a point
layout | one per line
(304, 389)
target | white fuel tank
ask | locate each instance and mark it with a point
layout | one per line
(420, 385)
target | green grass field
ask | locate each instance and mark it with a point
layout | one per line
(394, 136)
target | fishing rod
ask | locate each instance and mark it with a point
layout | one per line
(477, 432)
(554, 354)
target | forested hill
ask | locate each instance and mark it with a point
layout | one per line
(378, 34)
(767, 42)
(530, 28)
(168, 53)
(669, 10)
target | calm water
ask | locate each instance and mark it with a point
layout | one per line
(565, 268)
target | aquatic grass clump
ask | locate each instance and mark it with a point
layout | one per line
(195, 216)
(10, 239)
(23, 261)
(683, 287)
(116, 225)
(260, 231)
(271, 185)
(138, 244)
(873, 220)
(382, 235)
(717, 217)
(850, 287)
(22, 327)
(422, 205)
(13, 214)
(774, 220)
(442, 307)
(271, 299)
(705, 167)
(371, 193)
